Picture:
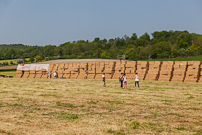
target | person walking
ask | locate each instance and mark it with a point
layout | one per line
(55, 75)
(50, 74)
(86, 75)
(121, 80)
(103, 79)
(137, 80)
(125, 81)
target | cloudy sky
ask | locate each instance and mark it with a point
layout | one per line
(44, 22)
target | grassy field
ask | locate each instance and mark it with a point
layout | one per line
(60, 107)
(8, 73)
(14, 60)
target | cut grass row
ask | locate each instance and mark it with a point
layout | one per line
(60, 106)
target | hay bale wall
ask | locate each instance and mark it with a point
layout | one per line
(178, 71)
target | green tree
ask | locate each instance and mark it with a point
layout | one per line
(184, 40)
(143, 40)
(161, 50)
(10, 54)
(31, 59)
(97, 53)
(97, 39)
(38, 58)
(119, 42)
(131, 54)
(196, 49)
(134, 36)
(145, 52)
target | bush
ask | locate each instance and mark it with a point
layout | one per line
(19, 61)
(47, 58)
(38, 58)
(5, 63)
(11, 63)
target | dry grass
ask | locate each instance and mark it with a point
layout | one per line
(60, 107)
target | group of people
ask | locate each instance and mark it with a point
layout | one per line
(123, 80)
(55, 75)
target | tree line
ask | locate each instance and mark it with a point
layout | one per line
(162, 44)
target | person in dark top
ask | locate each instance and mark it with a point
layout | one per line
(121, 80)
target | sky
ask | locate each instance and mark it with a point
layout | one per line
(54, 22)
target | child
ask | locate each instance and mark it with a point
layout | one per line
(103, 76)
(125, 81)
(137, 80)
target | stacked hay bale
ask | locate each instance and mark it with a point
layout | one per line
(82, 70)
(38, 74)
(119, 68)
(192, 73)
(153, 70)
(44, 73)
(200, 73)
(67, 70)
(32, 74)
(99, 70)
(51, 71)
(74, 67)
(91, 70)
(26, 72)
(61, 69)
(53, 68)
(19, 74)
(166, 71)
(179, 71)
(142, 67)
(130, 69)
(109, 69)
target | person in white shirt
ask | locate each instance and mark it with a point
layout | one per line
(125, 81)
(86, 75)
(55, 75)
(137, 80)
(103, 79)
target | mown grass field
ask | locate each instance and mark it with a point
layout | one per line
(60, 107)
(8, 73)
